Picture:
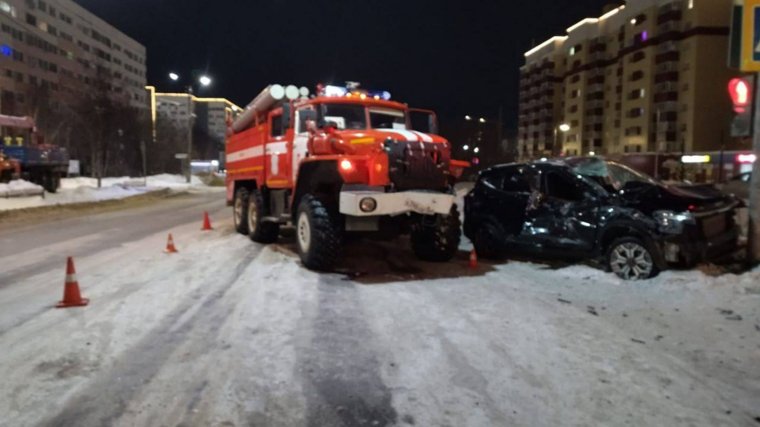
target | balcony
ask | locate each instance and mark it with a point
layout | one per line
(670, 27)
(669, 46)
(666, 87)
(665, 97)
(666, 68)
(597, 57)
(590, 105)
(667, 57)
(596, 88)
(669, 106)
(669, 16)
(664, 127)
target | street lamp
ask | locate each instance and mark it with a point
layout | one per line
(564, 128)
(482, 120)
(205, 81)
(468, 118)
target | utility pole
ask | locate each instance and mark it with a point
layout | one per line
(753, 245)
(191, 124)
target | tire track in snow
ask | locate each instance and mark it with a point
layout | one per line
(107, 398)
(342, 375)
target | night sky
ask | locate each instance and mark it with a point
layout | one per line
(457, 57)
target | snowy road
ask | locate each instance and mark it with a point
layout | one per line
(229, 333)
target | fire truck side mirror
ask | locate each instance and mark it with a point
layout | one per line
(311, 126)
(286, 112)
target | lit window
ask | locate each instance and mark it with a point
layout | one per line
(691, 4)
(572, 51)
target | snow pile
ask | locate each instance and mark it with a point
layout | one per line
(85, 189)
(20, 188)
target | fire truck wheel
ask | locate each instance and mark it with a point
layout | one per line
(437, 242)
(318, 234)
(240, 211)
(259, 230)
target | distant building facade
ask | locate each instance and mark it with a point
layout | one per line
(58, 45)
(208, 115)
(649, 76)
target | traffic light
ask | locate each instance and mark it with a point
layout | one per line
(741, 90)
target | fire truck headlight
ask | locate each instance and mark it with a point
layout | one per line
(346, 165)
(368, 204)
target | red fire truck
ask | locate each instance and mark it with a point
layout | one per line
(341, 162)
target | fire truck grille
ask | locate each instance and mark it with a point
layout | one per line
(417, 165)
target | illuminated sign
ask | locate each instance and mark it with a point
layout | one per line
(695, 159)
(740, 91)
(746, 158)
(6, 50)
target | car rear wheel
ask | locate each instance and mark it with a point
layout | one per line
(240, 211)
(259, 230)
(631, 259)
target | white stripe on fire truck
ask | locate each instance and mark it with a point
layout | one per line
(277, 147)
(409, 136)
(423, 136)
(248, 153)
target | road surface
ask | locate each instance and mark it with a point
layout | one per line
(231, 333)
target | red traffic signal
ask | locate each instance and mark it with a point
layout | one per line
(740, 90)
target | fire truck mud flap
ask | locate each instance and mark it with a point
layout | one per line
(370, 203)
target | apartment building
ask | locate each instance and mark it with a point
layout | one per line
(646, 76)
(60, 46)
(208, 115)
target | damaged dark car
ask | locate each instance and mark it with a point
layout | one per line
(590, 208)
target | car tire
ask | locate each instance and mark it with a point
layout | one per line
(630, 258)
(438, 242)
(259, 230)
(240, 211)
(488, 241)
(318, 234)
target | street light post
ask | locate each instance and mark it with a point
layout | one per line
(204, 81)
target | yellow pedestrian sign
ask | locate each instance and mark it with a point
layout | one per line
(750, 61)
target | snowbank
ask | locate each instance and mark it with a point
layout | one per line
(84, 189)
(20, 188)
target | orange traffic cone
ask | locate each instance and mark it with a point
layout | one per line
(206, 222)
(71, 295)
(170, 249)
(473, 259)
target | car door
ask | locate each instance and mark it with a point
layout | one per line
(564, 215)
(505, 192)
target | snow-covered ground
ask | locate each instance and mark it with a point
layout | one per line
(83, 189)
(19, 188)
(232, 333)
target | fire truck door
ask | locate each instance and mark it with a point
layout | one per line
(301, 139)
(277, 161)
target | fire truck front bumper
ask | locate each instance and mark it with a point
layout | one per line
(373, 203)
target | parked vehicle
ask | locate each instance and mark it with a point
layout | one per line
(738, 186)
(28, 156)
(589, 207)
(344, 161)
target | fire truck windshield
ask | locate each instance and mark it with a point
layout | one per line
(352, 116)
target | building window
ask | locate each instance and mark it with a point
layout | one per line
(31, 19)
(637, 75)
(691, 4)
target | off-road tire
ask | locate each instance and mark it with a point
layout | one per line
(258, 230)
(240, 211)
(318, 234)
(438, 242)
(487, 241)
(6, 176)
(638, 249)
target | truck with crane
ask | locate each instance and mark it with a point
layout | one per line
(345, 161)
(25, 155)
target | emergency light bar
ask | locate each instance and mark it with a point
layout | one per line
(341, 91)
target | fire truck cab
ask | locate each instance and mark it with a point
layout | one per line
(343, 161)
